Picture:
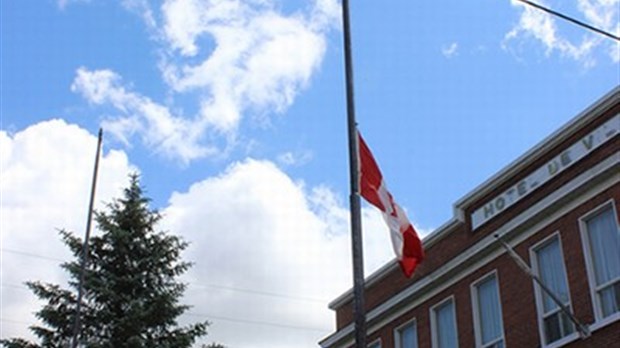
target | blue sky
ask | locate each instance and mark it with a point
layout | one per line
(234, 114)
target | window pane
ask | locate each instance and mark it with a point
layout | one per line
(408, 336)
(567, 325)
(557, 326)
(604, 238)
(489, 312)
(610, 299)
(446, 327)
(552, 274)
(552, 328)
(605, 245)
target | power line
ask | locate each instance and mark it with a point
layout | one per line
(23, 253)
(14, 321)
(233, 320)
(213, 286)
(201, 315)
(239, 321)
(262, 293)
(257, 322)
(572, 20)
(14, 286)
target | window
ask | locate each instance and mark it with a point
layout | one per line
(549, 265)
(487, 313)
(406, 336)
(443, 325)
(602, 249)
(375, 344)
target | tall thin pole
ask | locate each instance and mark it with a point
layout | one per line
(84, 262)
(356, 220)
(584, 332)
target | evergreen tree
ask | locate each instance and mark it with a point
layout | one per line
(131, 295)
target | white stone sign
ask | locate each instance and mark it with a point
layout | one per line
(567, 158)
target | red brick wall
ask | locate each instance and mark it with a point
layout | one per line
(517, 291)
(607, 337)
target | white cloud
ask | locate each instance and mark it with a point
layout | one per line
(64, 3)
(269, 252)
(542, 27)
(168, 134)
(450, 51)
(240, 57)
(143, 9)
(291, 158)
(604, 14)
(253, 227)
(46, 173)
(260, 61)
(601, 13)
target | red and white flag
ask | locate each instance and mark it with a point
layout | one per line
(405, 240)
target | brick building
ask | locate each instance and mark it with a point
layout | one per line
(558, 207)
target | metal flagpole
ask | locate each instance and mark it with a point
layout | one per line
(356, 220)
(84, 261)
(584, 331)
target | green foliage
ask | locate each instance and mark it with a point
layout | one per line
(131, 295)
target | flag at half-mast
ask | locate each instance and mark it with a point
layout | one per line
(405, 240)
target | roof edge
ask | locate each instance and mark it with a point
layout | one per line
(377, 275)
(591, 112)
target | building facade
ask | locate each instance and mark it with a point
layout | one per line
(557, 206)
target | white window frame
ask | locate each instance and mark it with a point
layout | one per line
(398, 333)
(476, 314)
(585, 239)
(375, 344)
(434, 341)
(538, 293)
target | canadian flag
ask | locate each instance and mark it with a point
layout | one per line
(405, 240)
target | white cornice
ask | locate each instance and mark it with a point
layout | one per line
(392, 265)
(582, 119)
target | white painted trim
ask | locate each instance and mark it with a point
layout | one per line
(563, 341)
(377, 341)
(607, 321)
(397, 333)
(475, 307)
(386, 269)
(538, 294)
(433, 317)
(585, 242)
(414, 295)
